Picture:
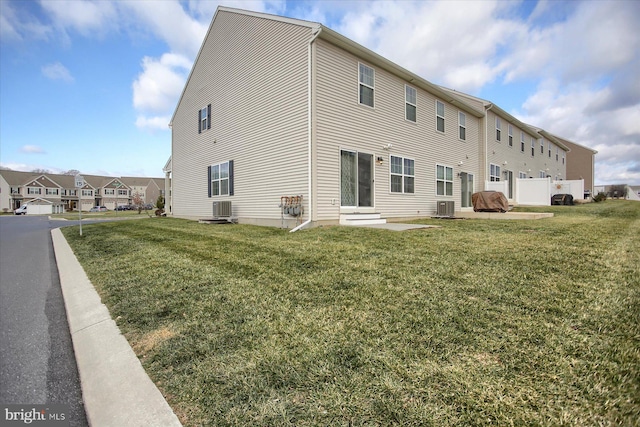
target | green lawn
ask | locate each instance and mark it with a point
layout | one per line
(474, 323)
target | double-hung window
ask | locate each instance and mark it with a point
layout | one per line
(440, 116)
(410, 101)
(88, 193)
(402, 175)
(204, 119)
(533, 147)
(557, 152)
(498, 129)
(542, 146)
(366, 79)
(494, 172)
(522, 175)
(444, 180)
(221, 179)
(549, 147)
(542, 174)
(522, 142)
(462, 126)
(510, 136)
(34, 190)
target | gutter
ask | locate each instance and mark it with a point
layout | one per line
(486, 143)
(309, 127)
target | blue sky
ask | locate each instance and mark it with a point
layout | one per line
(92, 85)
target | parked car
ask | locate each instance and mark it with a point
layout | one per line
(98, 209)
(22, 210)
(124, 208)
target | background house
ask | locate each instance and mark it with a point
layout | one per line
(17, 188)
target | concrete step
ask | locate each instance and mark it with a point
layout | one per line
(361, 219)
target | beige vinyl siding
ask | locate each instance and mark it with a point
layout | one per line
(253, 72)
(517, 160)
(341, 123)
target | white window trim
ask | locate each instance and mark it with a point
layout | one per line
(406, 102)
(204, 121)
(533, 147)
(542, 174)
(444, 112)
(220, 179)
(462, 126)
(542, 147)
(498, 129)
(510, 135)
(497, 169)
(402, 175)
(522, 175)
(373, 88)
(445, 180)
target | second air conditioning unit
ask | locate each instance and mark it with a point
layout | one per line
(445, 208)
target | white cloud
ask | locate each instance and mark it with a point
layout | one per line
(57, 71)
(89, 18)
(32, 149)
(160, 83)
(17, 25)
(158, 87)
(153, 123)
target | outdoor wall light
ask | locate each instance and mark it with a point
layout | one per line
(379, 160)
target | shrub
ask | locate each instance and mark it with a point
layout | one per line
(600, 197)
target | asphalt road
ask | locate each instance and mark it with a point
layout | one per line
(37, 362)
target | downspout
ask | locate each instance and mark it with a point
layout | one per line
(486, 145)
(309, 127)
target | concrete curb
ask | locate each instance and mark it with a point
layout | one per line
(115, 388)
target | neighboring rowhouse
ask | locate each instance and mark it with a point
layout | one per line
(278, 107)
(581, 164)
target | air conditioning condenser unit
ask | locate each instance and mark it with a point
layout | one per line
(222, 209)
(445, 208)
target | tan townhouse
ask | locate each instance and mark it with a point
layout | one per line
(277, 107)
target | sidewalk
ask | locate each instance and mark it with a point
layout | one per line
(115, 388)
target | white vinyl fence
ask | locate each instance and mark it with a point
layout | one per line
(538, 191)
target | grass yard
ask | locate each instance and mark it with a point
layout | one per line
(474, 323)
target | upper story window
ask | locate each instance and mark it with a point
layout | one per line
(34, 190)
(542, 174)
(563, 157)
(549, 146)
(510, 136)
(522, 141)
(462, 126)
(52, 191)
(109, 191)
(15, 190)
(87, 192)
(123, 192)
(410, 99)
(542, 146)
(444, 180)
(440, 116)
(494, 172)
(557, 152)
(402, 175)
(204, 119)
(366, 80)
(498, 129)
(533, 147)
(522, 175)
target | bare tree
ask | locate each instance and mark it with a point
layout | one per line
(72, 172)
(40, 171)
